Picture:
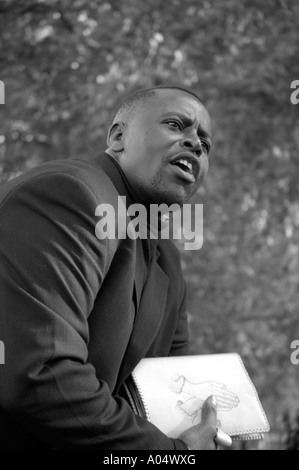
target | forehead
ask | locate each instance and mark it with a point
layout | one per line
(177, 101)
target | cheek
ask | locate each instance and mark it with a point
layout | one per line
(204, 167)
(140, 148)
(148, 156)
(144, 153)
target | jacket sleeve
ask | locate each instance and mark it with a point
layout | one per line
(51, 269)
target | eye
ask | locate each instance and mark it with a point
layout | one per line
(175, 124)
(205, 145)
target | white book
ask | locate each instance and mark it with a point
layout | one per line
(170, 391)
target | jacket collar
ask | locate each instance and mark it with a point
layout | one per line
(114, 171)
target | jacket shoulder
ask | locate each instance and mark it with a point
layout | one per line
(53, 174)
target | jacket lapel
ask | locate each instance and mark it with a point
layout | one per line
(148, 318)
(149, 298)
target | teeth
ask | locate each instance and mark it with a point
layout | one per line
(185, 162)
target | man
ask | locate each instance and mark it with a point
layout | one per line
(79, 311)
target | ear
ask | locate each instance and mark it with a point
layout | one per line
(115, 137)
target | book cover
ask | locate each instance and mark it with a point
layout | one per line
(170, 391)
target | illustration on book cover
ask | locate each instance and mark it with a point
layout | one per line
(192, 395)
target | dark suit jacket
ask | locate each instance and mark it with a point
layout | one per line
(75, 315)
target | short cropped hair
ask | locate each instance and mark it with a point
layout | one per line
(127, 107)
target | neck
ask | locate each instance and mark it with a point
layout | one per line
(137, 198)
(112, 153)
(162, 218)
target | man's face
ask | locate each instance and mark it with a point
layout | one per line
(166, 147)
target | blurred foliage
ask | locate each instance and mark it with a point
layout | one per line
(292, 431)
(66, 64)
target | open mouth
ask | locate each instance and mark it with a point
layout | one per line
(185, 169)
(184, 165)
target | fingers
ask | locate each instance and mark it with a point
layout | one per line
(222, 389)
(202, 436)
(223, 439)
(227, 395)
(227, 403)
(209, 411)
(226, 400)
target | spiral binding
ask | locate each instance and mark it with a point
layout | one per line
(139, 390)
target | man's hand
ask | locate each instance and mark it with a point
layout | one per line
(202, 436)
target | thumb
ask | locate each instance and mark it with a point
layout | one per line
(209, 411)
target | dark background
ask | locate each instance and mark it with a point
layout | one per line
(65, 65)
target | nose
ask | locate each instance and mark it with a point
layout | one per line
(193, 144)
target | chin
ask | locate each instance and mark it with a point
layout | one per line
(164, 193)
(177, 197)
